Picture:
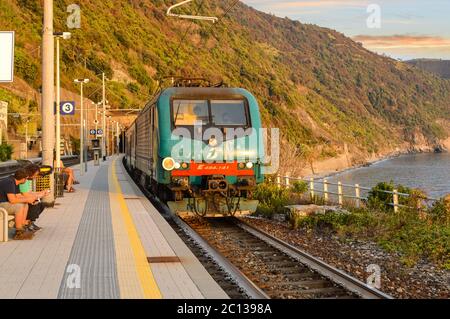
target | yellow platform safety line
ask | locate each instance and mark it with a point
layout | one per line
(145, 275)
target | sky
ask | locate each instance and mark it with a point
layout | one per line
(402, 29)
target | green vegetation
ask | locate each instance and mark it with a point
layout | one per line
(299, 187)
(415, 232)
(272, 199)
(412, 234)
(6, 151)
(319, 86)
(379, 199)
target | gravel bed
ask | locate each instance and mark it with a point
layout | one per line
(280, 276)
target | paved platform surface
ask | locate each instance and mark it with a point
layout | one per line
(104, 241)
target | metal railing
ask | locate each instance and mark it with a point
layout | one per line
(340, 191)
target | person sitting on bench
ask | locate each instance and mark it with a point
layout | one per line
(17, 204)
(69, 177)
(35, 209)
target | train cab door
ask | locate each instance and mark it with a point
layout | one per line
(152, 141)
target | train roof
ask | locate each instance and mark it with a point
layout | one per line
(196, 92)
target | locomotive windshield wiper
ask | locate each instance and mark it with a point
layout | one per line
(176, 115)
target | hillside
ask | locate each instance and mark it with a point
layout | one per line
(439, 67)
(329, 95)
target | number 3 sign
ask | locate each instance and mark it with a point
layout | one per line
(68, 108)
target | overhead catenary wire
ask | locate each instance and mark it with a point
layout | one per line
(187, 31)
(225, 14)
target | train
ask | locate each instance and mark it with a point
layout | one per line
(199, 149)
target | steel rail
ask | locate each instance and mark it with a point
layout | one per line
(252, 290)
(348, 282)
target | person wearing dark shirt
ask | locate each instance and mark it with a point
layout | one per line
(15, 203)
(35, 209)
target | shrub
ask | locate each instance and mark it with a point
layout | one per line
(272, 199)
(379, 199)
(348, 222)
(138, 72)
(300, 187)
(6, 151)
(133, 87)
(440, 212)
(25, 67)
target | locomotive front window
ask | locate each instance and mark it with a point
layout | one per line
(228, 113)
(190, 112)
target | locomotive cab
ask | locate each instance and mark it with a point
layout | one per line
(203, 150)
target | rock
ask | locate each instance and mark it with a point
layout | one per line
(303, 210)
(308, 210)
(447, 202)
(279, 217)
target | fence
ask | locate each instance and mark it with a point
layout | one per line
(342, 191)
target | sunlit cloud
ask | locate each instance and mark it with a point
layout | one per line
(308, 4)
(316, 4)
(402, 41)
(401, 20)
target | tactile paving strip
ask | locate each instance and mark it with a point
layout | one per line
(93, 250)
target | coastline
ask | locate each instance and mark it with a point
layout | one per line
(330, 171)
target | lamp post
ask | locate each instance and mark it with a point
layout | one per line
(110, 139)
(96, 118)
(103, 117)
(82, 133)
(58, 36)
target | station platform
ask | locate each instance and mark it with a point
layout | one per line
(105, 241)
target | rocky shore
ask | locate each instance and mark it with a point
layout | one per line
(346, 162)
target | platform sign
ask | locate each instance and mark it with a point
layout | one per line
(67, 108)
(6, 56)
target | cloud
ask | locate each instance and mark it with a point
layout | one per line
(402, 41)
(320, 3)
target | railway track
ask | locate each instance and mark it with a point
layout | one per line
(248, 263)
(280, 270)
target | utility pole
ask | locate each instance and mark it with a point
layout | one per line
(117, 137)
(82, 124)
(48, 90)
(104, 119)
(86, 138)
(96, 119)
(58, 36)
(110, 139)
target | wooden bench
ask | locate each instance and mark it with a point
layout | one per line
(4, 222)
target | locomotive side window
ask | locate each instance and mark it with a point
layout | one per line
(229, 113)
(190, 112)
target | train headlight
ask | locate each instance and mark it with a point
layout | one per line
(241, 165)
(168, 164)
(184, 165)
(213, 142)
(177, 165)
(249, 165)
